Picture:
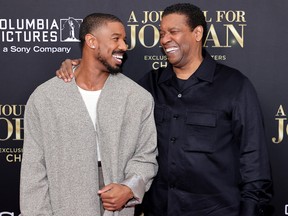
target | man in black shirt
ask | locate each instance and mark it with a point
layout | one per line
(211, 141)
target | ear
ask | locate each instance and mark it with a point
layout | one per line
(90, 41)
(198, 31)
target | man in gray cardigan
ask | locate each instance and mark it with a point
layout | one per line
(101, 114)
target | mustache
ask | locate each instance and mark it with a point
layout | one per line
(119, 52)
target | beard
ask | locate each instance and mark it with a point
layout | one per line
(112, 70)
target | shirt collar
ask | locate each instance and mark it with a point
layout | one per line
(205, 71)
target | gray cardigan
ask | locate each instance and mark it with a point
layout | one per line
(59, 173)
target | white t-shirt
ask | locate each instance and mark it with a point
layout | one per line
(91, 98)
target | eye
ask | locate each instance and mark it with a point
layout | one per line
(173, 32)
(115, 39)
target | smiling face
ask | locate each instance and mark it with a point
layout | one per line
(179, 41)
(111, 46)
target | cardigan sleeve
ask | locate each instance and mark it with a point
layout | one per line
(34, 190)
(142, 167)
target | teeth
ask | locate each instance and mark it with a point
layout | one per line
(118, 56)
(171, 49)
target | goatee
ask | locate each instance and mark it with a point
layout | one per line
(112, 70)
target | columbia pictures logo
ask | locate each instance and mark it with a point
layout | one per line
(70, 29)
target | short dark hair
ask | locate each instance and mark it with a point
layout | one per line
(94, 21)
(194, 14)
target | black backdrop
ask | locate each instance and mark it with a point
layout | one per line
(34, 40)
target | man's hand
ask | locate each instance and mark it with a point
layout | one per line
(65, 71)
(115, 196)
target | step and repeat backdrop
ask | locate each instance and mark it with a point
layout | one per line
(36, 36)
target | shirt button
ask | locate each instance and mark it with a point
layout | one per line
(176, 116)
(172, 186)
(179, 95)
(172, 139)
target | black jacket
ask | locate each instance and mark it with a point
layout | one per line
(212, 150)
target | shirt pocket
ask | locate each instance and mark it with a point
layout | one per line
(201, 129)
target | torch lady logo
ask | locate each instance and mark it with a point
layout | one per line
(70, 29)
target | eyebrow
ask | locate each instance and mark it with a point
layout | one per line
(117, 34)
(169, 29)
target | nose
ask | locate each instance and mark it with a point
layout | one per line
(123, 46)
(165, 38)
